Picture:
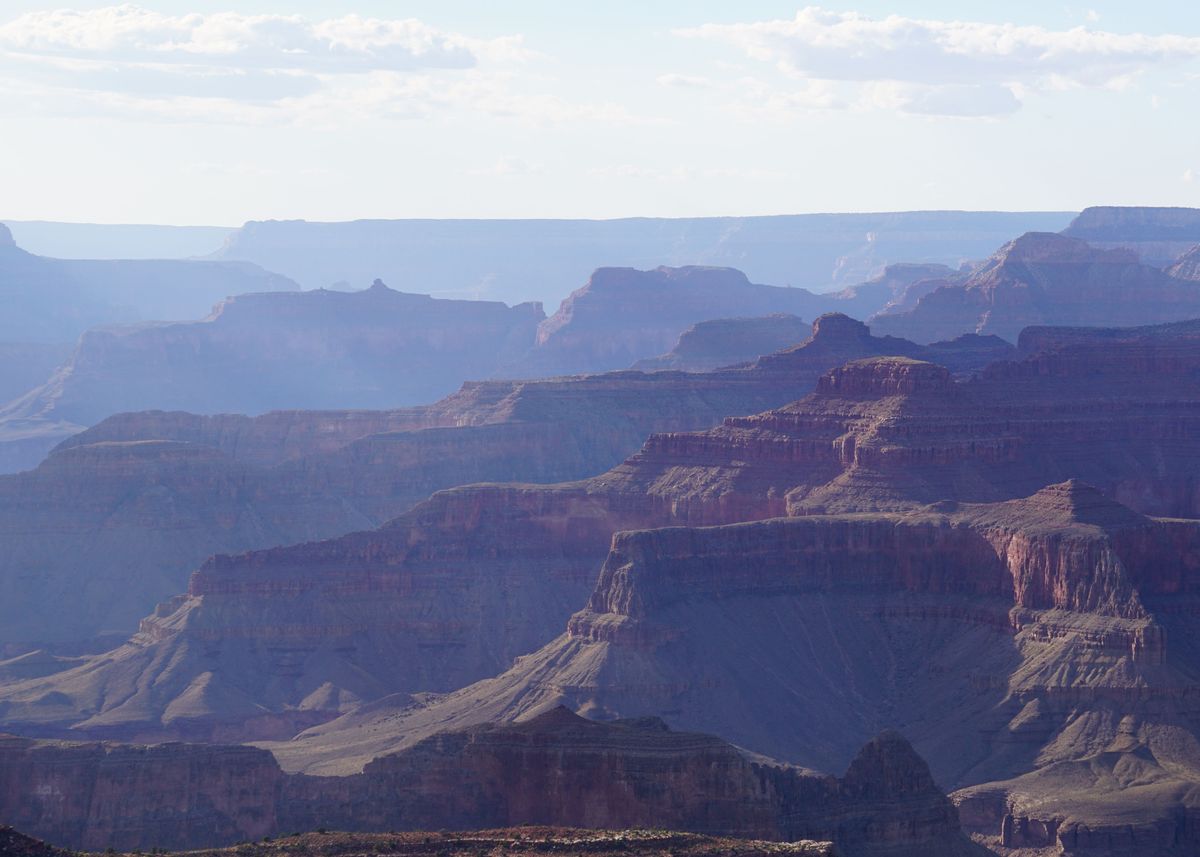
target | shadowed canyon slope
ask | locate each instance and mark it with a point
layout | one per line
(521, 260)
(554, 769)
(1046, 279)
(457, 587)
(112, 521)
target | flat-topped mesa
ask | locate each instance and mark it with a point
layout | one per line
(1155, 353)
(1065, 548)
(1110, 224)
(886, 376)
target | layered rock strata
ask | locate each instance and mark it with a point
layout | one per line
(555, 769)
(115, 519)
(1053, 634)
(450, 592)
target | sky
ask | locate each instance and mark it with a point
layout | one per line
(198, 112)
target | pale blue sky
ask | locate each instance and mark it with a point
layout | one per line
(191, 111)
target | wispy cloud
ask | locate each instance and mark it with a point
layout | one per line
(957, 68)
(234, 68)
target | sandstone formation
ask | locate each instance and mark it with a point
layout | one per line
(1045, 279)
(451, 591)
(721, 342)
(1052, 634)
(55, 300)
(554, 769)
(257, 352)
(521, 260)
(141, 499)
(1157, 235)
(149, 518)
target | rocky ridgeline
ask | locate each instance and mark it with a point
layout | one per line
(1046, 279)
(555, 769)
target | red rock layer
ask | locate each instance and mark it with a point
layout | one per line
(556, 769)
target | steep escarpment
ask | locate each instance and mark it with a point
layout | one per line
(1047, 279)
(554, 769)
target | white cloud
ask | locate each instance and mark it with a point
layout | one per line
(246, 69)
(1189, 176)
(129, 34)
(947, 67)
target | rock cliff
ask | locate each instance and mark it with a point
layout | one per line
(554, 769)
(1046, 279)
